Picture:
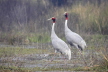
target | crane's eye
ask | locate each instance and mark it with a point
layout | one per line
(66, 15)
(53, 19)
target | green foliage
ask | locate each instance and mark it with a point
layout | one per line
(40, 38)
(24, 38)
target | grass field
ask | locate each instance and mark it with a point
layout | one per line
(25, 59)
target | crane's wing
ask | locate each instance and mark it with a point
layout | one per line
(78, 36)
(81, 39)
(60, 45)
(75, 38)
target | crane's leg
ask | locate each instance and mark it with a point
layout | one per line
(79, 50)
(80, 53)
(76, 46)
(65, 62)
(55, 51)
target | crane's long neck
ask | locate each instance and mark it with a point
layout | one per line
(66, 26)
(53, 34)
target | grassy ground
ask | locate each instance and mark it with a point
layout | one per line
(96, 43)
(9, 51)
(16, 69)
(13, 69)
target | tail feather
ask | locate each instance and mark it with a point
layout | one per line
(83, 43)
(80, 48)
(68, 53)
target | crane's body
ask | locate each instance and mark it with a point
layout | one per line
(73, 38)
(58, 44)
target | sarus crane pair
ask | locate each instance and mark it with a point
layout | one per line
(72, 38)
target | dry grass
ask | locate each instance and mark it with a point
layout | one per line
(92, 17)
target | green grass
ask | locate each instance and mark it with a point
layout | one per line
(24, 38)
(39, 38)
(93, 41)
(9, 51)
(99, 69)
(63, 69)
(16, 69)
(13, 69)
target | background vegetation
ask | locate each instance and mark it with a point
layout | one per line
(20, 19)
(25, 22)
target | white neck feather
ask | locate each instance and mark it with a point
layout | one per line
(53, 34)
(66, 26)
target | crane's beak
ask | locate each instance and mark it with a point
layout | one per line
(49, 19)
(64, 13)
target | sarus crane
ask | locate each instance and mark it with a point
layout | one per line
(58, 44)
(73, 38)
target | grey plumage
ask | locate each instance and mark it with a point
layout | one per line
(74, 38)
(58, 44)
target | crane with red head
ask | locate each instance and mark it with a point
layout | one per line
(58, 44)
(73, 38)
